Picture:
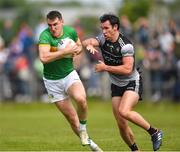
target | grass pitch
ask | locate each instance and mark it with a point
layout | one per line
(41, 127)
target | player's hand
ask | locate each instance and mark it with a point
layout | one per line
(100, 66)
(71, 49)
(78, 50)
(91, 49)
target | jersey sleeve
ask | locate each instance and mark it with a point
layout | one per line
(127, 50)
(100, 38)
(44, 38)
(74, 35)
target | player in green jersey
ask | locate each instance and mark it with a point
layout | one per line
(60, 78)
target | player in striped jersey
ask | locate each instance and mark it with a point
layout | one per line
(126, 82)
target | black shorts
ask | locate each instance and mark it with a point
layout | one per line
(132, 85)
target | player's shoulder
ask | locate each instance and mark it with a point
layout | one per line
(70, 32)
(68, 28)
(45, 37)
(127, 47)
(45, 33)
(123, 39)
(101, 39)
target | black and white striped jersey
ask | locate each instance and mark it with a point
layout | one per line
(113, 52)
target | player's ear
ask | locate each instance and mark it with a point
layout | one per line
(62, 21)
(115, 26)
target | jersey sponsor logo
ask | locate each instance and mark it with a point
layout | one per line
(110, 59)
(111, 47)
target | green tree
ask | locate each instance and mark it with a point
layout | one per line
(89, 24)
(135, 9)
(11, 3)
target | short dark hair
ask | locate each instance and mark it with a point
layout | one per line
(113, 19)
(53, 15)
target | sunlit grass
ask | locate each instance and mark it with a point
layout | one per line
(41, 127)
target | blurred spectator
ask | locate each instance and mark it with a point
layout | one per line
(39, 28)
(143, 32)
(17, 68)
(172, 27)
(7, 32)
(84, 64)
(166, 41)
(157, 51)
(26, 37)
(40, 88)
(126, 27)
(154, 64)
(6, 92)
(177, 46)
(79, 29)
(176, 90)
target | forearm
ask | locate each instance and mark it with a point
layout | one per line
(90, 41)
(125, 69)
(51, 56)
(121, 69)
(85, 43)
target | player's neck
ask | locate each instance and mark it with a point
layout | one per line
(61, 34)
(115, 37)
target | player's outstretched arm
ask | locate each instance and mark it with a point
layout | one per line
(90, 44)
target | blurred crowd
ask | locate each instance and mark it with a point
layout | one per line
(157, 51)
(158, 55)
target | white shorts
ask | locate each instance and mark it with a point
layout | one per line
(57, 89)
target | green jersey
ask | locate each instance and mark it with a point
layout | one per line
(62, 67)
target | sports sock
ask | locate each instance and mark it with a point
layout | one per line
(151, 130)
(92, 144)
(134, 147)
(82, 124)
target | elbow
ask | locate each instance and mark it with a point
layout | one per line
(44, 60)
(87, 42)
(128, 71)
